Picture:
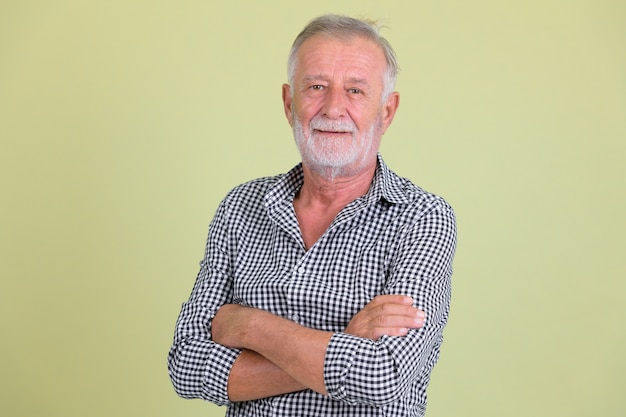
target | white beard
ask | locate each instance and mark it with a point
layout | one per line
(334, 157)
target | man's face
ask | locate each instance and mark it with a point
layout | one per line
(335, 104)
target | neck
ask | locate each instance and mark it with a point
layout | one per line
(324, 189)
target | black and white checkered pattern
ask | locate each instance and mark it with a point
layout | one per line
(397, 239)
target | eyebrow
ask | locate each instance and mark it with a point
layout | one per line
(310, 78)
(352, 80)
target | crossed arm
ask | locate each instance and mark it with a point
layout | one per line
(280, 356)
(226, 352)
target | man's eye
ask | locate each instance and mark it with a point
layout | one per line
(317, 87)
(355, 90)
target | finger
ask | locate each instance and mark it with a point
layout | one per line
(398, 321)
(395, 326)
(391, 299)
(388, 309)
(393, 331)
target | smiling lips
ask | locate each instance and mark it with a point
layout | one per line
(324, 126)
(334, 134)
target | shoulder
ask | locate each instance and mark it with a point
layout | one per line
(428, 201)
(250, 193)
(403, 192)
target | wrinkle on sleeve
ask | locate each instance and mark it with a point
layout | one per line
(359, 370)
(199, 367)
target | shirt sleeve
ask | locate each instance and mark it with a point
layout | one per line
(199, 367)
(364, 371)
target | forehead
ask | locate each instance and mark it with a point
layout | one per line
(324, 56)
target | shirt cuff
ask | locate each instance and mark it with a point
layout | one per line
(340, 356)
(218, 371)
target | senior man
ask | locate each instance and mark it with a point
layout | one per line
(323, 291)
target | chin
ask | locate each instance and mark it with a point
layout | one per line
(330, 169)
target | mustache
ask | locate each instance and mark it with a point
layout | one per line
(328, 125)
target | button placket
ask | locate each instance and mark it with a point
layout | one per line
(298, 272)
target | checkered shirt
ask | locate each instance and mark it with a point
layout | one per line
(396, 239)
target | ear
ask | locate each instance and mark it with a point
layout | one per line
(389, 109)
(287, 100)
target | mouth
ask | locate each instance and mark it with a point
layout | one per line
(332, 132)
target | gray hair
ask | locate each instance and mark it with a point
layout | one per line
(344, 27)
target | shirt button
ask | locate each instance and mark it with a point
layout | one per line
(295, 317)
(301, 270)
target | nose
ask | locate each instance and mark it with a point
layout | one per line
(334, 103)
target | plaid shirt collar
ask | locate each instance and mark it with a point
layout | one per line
(386, 185)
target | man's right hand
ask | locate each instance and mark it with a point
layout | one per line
(386, 315)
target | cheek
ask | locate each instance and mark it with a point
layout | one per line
(365, 114)
(308, 107)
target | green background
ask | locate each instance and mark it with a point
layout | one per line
(124, 123)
